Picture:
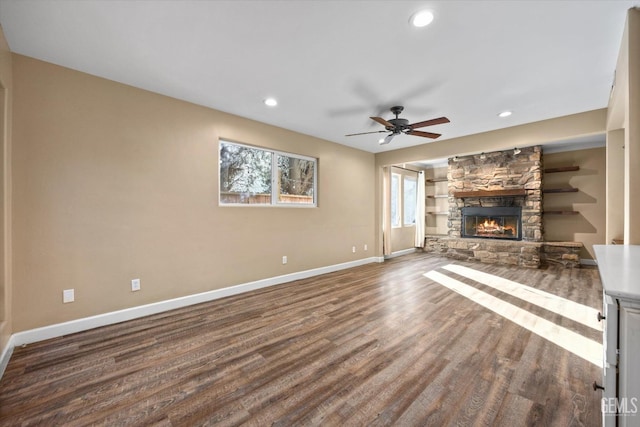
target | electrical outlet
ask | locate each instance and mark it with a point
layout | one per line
(284, 259)
(68, 295)
(135, 285)
(365, 246)
(353, 249)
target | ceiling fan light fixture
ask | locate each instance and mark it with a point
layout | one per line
(516, 151)
(387, 139)
(421, 18)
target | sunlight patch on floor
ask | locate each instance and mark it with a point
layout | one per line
(562, 306)
(583, 347)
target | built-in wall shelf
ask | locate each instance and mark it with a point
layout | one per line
(437, 201)
(562, 169)
(560, 212)
(560, 190)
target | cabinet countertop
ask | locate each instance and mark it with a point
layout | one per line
(619, 267)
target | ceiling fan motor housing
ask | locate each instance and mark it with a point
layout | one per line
(398, 125)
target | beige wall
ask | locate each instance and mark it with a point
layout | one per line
(113, 183)
(632, 133)
(589, 226)
(615, 185)
(6, 92)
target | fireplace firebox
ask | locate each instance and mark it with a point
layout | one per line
(492, 222)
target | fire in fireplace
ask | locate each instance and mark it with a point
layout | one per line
(492, 222)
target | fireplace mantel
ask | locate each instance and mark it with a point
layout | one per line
(491, 193)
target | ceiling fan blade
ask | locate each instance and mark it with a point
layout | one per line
(366, 133)
(382, 121)
(431, 122)
(424, 134)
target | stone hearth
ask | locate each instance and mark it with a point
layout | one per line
(523, 254)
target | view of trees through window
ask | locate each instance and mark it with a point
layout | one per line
(296, 179)
(250, 175)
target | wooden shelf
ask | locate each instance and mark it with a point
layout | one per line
(562, 169)
(560, 212)
(491, 193)
(560, 190)
(438, 196)
(436, 179)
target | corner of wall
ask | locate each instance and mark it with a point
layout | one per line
(6, 90)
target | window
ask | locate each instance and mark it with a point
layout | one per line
(255, 176)
(410, 194)
(404, 194)
(395, 200)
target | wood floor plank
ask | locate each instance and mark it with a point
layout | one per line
(379, 344)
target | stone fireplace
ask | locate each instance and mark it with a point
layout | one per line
(500, 179)
(486, 194)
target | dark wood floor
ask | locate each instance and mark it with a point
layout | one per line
(379, 344)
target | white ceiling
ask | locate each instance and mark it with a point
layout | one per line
(332, 64)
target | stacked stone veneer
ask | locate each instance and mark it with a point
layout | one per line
(507, 252)
(499, 170)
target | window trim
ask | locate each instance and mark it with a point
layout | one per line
(398, 200)
(275, 178)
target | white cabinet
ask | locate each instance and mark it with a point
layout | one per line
(619, 267)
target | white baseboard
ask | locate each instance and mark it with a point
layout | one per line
(6, 355)
(402, 252)
(79, 325)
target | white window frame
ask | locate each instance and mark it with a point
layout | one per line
(275, 179)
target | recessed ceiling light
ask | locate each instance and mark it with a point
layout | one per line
(271, 102)
(421, 18)
(505, 114)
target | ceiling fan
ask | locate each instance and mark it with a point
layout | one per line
(397, 126)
